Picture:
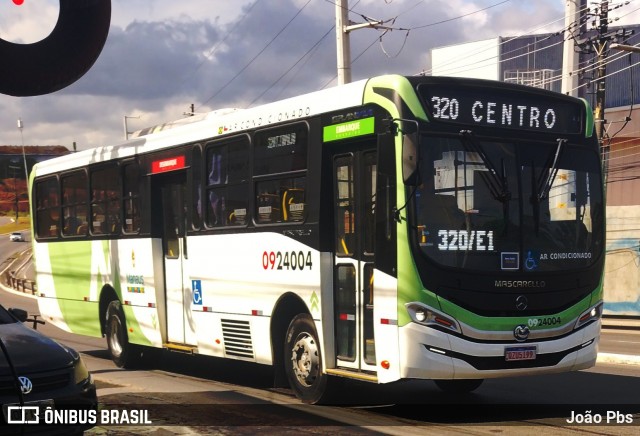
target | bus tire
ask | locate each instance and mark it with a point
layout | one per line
(123, 354)
(303, 360)
(459, 386)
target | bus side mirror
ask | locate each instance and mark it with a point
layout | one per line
(410, 148)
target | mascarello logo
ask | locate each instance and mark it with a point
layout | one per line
(18, 2)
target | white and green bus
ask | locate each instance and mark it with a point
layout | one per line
(393, 228)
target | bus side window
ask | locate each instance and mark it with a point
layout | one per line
(280, 200)
(293, 205)
(74, 204)
(227, 175)
(47, 208)
(268, 206)
(216, 177)
(105, 201)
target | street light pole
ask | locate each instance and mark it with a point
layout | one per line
(15, 189)
(625, 47)
(24, 161)
(24, 156)
(126, 130)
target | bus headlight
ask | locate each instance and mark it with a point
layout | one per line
(593, 313)
(427, 316)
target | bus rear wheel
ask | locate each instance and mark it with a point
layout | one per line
(122, 352)
(303, 360)
(459, 386)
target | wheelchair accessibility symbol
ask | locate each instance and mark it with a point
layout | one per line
(531, 262)
(196, 285)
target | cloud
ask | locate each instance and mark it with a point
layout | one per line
(28, 23)
(147, 60)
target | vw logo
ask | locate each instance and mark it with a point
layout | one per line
(521, 333)
(522, 303)
(25, 385)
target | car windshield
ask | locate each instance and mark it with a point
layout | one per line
(500, 206)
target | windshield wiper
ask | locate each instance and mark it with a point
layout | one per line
(543, 189)
(539, 186)
(497, 184)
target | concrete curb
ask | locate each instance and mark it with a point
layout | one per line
(621, 359)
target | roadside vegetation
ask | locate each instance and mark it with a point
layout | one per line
(23, 223)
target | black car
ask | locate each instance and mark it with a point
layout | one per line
(36, 371)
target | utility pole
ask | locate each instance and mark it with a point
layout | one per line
(601, 52)
(343, 44)
(571, 57)
(599, 45)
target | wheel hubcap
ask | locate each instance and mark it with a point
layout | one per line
(305, 360)
(114, 338)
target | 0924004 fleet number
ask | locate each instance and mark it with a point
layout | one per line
(288, 260)
(540, 322)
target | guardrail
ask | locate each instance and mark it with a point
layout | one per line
(21, 284)
(13, 272)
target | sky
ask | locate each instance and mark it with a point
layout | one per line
(162, 56)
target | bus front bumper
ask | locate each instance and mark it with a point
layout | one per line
(428, 353)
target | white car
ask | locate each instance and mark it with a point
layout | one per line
(16, 237)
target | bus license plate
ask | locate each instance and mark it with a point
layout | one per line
(520, 353)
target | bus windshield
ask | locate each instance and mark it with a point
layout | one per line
(498, 205)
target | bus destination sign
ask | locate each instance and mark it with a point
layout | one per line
(166, 165)
(502, 108)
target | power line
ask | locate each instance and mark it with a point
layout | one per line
(212, 50)
(257, 55)
(526, 32)
(308, 58)
(313, 47)
(458, 17)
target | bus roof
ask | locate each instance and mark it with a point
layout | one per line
(213, 124)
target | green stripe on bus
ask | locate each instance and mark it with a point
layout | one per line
(350, 129)
(72, 268)
(490, 323)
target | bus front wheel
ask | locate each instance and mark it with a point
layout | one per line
(459, 386)
(303, 360)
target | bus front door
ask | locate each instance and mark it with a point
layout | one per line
(180, 325)
(354, 214)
